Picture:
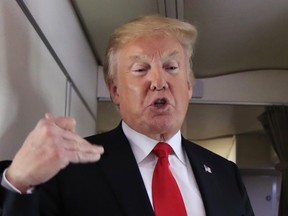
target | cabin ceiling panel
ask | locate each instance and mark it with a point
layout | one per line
(101, 17)
(237, 36)
(234, 36)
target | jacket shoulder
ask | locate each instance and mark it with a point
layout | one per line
(192, 146)
(102, 138)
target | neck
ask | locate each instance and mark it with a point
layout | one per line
(160, 137)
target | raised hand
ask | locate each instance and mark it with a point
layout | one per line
(50, 147)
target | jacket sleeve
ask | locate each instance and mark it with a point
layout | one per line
(14, 204)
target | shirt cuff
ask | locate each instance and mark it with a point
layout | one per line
(6, 184)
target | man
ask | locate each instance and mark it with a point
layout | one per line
(149, 76)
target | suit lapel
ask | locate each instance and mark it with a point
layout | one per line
(206, 178)
(122, 173)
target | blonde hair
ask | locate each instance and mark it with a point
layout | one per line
(146, 25)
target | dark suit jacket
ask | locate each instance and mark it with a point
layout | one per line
(114, 186)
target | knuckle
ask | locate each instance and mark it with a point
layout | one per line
(74, 157)
(68, 120)
(48, 130)
(72, 120)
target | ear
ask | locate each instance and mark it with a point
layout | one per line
(113, 89)
(190, 88)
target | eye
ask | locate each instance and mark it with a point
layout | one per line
(171, 67)
(140, 68)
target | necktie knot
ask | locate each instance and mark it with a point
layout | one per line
(162, 150)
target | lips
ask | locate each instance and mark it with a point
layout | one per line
(160, 102)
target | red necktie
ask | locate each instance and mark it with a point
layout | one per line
(167, 198)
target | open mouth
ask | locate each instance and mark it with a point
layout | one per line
(160, 102)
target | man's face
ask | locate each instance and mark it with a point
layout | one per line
(152, 88)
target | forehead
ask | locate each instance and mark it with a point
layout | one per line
(151, 46)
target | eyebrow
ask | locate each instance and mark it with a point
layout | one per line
(165, 55)
(138, 58)
(171, 53)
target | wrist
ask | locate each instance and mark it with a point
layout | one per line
(16, 183)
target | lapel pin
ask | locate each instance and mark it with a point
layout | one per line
(207, 169)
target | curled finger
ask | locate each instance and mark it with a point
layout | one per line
(76, 143)
(83, 157)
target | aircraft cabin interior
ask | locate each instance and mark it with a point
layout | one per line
(51, 57)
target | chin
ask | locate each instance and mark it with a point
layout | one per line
(163, 126)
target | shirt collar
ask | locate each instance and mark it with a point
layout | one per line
(142, 145)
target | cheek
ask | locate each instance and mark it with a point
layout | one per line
(131, 91)
(184, 94)
(134, 85)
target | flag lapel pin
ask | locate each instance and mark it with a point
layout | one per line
(207, 169)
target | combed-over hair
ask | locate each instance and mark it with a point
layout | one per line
(184, 32)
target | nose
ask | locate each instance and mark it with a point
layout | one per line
(158, 80)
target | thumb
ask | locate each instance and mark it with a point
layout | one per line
(49, 116)
(66, 123)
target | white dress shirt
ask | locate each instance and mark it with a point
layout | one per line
(142, 147)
